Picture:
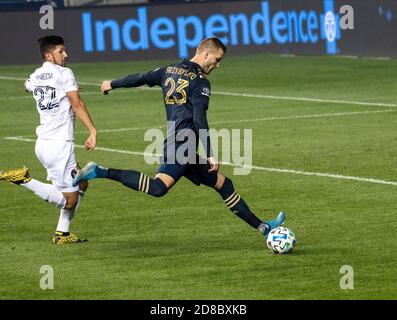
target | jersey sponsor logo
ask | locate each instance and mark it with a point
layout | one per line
(206, 92)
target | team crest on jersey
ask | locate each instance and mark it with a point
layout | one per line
(206, 92)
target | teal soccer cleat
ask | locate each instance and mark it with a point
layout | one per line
(269, 225)
(85, 174)
(274, 223)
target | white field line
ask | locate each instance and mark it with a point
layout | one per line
(15, 98)
(278, 170)
(305, 116)
(29, 95)
(262, 96)
(97, 148)
(259, 96)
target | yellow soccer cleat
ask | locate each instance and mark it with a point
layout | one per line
(16, 176)
(60, 238)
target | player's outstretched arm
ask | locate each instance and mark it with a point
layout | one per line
(151, 79)
(132, 80)
(80, 109)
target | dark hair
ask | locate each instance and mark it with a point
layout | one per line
(48, 43)
(212, 43)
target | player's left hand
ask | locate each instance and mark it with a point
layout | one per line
(90, 143)
(214, 164)
(25, 85)
(106, 86)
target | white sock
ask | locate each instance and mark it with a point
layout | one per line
(66, 216)
(46, 191)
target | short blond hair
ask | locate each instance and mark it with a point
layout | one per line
(211, 44)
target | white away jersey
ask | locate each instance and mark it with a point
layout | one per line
(49, 85)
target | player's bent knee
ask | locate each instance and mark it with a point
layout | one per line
(70, 204)
(220, 181)
(71, 200)
(157, 188)
(227, 185)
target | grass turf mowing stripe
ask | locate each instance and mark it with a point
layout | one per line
(305, 116)
(278, 170)
(260, 96)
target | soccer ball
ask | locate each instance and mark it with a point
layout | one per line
(281, 240)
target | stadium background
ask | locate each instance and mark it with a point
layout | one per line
(166, 30)
(322, 110)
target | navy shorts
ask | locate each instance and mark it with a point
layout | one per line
(196, 173)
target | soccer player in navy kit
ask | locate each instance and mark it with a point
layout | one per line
(186, 92)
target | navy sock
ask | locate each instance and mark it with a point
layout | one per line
(237, 204)
(101, 172)
(134, 180)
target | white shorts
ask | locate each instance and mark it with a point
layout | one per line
(57, 157)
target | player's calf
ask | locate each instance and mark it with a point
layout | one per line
(130, 178)
(138, 181)
(45, 191)
(236, 203)
(71, 200)
(157, 188)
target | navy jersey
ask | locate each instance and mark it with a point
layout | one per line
(186, 93)
(183, 86)
(184, 89)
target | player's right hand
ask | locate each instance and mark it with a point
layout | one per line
(106, 86)
(90, 143)
(214, 164)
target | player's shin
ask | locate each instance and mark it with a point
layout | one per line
(66, 216)
(138, 181)
(237, 205)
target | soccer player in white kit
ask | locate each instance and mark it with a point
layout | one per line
(58, 102)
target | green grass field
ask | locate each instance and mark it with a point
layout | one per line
(188, 245)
